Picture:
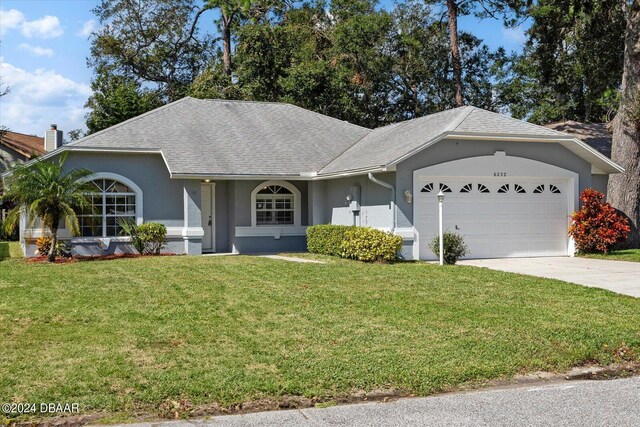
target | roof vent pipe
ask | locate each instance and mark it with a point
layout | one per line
(393, 198)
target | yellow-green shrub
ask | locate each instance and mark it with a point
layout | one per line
(348, 241)
(370, 245)
(326, 238)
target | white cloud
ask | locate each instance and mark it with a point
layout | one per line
(47, 27)
(87, 28)
(514, 35)
(10, 20)
(40, 98)
(36, 50)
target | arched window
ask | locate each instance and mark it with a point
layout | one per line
(275, 203)
(115, 199)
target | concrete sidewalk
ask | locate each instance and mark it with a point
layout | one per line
(617, 276)
(566, 403)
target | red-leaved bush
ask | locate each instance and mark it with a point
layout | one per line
(597, 226)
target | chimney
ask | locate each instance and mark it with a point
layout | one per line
(53, 138)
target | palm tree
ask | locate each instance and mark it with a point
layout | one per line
(45, 191)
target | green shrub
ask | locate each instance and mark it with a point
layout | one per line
(370, 245)
(154, 236)
(454, 247)
(6, 237)
(148, 238)
(348, 241)
(326, 239)
(130, 228)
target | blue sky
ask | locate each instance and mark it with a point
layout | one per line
(43, 49)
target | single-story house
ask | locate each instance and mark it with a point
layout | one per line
(249, 177)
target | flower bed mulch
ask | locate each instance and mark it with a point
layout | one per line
(77, 258)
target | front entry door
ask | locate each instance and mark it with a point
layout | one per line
(208, 217)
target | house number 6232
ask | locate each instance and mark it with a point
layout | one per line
(499, 174)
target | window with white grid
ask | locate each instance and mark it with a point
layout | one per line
(113, 202)
(275, 205)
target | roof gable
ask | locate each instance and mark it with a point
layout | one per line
(388, 145)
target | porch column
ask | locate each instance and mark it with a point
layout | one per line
(192, 231)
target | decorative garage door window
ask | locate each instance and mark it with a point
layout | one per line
(442, 187)
(551, 188)
(274, 206)
(112, 203)
(445, 188)
(427, 188)
(484, 189)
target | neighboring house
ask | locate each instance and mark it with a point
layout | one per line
(234, 176)
(18, 148)
(596, 135)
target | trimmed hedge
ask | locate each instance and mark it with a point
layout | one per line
(326, 239)
(370, 245)
(360, 243)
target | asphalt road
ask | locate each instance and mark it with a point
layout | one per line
(567, 403)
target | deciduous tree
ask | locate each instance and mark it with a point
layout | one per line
(152, 41)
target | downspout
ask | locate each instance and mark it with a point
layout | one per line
(393, 198)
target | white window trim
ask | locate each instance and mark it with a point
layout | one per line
(297, 203)
(132, 185)
(32, 233)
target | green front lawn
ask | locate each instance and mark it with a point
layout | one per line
(10, 250)
(129, 337)
(622, 255)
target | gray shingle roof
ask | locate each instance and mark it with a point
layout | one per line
(216, 137)
(481, 121)
(384, 145)
(207, 137)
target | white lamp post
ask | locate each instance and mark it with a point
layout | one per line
(441, 239)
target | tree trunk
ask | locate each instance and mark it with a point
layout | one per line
(54, 243)
(624, 188)
(226, 43)
(452, 9)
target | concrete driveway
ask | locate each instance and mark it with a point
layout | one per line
(617, 276)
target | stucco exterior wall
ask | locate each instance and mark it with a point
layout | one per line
(600, 182)
(163, 201)
(163, 196)
(375, 207)
(239, 215)
(448, 150)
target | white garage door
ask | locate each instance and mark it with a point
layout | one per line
(498, 217)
